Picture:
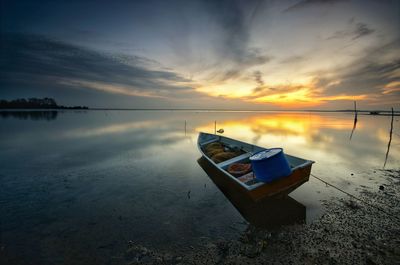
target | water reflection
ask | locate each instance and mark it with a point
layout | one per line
(294, 128)
(32, 115)
(268, 213)
(111, 129)
(315, 136)
(107, 177)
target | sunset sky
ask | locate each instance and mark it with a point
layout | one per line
(303, 54)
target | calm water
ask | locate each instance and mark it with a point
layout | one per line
(75, 187)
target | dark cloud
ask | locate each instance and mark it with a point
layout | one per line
(259, 90)
(362, 30)
(258, 78)
(234, 21)
(38, 66)
(367, 75)
(355, 31)
(310, 3)
(238, 68)
(368, 79)
(40, 60)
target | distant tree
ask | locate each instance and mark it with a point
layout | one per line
(34, 103)
(50, 102)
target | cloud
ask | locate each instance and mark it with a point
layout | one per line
(362, 30)
(373, 78)
(375, 75)
(110, 88)
(310, 3)
(39, 66)
(369, 78)
(33, 59)
(280, 91)
(233, 21)
(293, 59)
(355, 31)
(392, 87)
(258, 78)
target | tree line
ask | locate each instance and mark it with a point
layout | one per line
(34, 103)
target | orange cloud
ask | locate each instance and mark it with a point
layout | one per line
(391, 87)
(284, 95)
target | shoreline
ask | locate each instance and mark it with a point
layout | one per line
(349, 232)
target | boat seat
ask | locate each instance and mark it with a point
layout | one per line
(233, 160)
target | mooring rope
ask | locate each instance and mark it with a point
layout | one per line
(357, 198)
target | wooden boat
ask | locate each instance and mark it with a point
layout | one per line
(270, 212)
(252, 187)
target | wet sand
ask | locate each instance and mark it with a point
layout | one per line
(350, 232)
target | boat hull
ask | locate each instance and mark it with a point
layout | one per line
(277, 188)
(268, 212)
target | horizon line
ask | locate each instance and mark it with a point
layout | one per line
(213, 109)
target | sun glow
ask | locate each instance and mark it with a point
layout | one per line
(231, 90)
(304, 99)
(300, 97)
(287, 95)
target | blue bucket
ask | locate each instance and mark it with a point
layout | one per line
(270, 164)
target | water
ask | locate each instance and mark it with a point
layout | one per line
(76, 186)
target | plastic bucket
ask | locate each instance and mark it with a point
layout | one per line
(270, 164)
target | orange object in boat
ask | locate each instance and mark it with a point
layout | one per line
(239, 169)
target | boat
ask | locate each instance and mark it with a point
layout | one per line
(267, 213)
(246, 184)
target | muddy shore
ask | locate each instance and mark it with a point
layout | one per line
(350, 232)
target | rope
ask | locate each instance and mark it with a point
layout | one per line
(359, 199)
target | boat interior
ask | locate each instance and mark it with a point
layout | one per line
(228, 155)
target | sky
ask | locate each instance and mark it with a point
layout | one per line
(264, 55)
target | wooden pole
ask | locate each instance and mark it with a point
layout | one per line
(390, 139)
(355, 120)
(355, 110)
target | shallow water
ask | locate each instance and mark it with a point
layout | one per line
(76, 186)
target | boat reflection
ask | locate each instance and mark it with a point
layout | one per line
(268, 213)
